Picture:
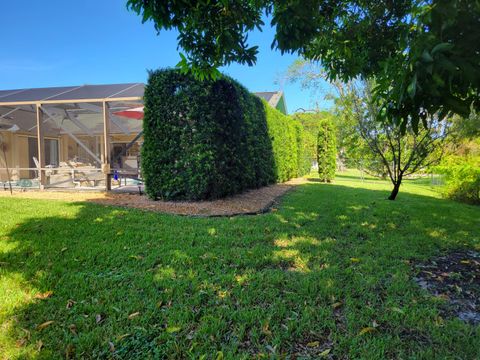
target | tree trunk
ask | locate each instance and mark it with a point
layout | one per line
(396, 188)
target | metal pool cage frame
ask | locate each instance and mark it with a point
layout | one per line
(70, 137)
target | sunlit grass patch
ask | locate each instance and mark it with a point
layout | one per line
(333, 260)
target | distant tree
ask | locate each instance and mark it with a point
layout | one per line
(326, 150)
(311, 121)
(423, 54)
(395, 151)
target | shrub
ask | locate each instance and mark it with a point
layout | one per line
(462, 179)
(304, 162)
(326, 150)
(203, 140)
(209, 139)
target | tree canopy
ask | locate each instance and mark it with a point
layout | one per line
(424, 54)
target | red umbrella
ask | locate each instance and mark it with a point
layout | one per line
(134, 113)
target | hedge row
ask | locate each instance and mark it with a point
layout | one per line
(287, 136)
(210, 139)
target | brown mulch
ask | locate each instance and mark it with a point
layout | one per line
(254, 201)
(251, 202)
(454, 277)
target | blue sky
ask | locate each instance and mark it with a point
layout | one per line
(59, 42)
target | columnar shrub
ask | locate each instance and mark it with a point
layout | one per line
(304, 163)
(282, 131)
(326, 150)
(209, 139)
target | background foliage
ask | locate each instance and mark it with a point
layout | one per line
(461, 165)
(423, 54)
(209, 139)
(327, 150)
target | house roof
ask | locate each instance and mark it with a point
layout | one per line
(272, 97)
(98, 93)
(72, 93)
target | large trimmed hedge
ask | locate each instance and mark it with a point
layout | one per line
(210, 139)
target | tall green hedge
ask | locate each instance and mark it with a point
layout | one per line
(326, 150)
(211, 139)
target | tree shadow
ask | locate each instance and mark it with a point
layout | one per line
(300, 280)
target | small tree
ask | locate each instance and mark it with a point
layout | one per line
(326, 150)
(395, 151)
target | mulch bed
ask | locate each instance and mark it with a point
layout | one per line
(454, 277)
(251, 202)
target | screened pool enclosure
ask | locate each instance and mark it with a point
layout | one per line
(78, 137)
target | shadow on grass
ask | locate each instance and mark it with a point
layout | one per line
(306, 278)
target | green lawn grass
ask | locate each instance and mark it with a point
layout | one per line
(333, 259)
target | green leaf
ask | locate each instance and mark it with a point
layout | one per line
(442, 47)
(426, 57)
(412, 87)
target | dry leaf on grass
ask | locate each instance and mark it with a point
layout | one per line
(44, 295)
(69, 351)
(39, 345)
(99, 318)
(325, 352)
(133, 315)
(45, 325)
(366, 330)
(21, 342)
(337, 304)
(313, 344)
(70, 303)
(173, 329)
(122, 336)
(73, 329)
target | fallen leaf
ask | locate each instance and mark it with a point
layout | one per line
(122, 336)
(21, 342)
(465, 262)
(266, 330)
(44, 295)
(45, 325)
(325, 352)
(313, 344)
(133, 315)
(366, 330)
(99, 318)
(73, 329)
(111, 346)
(39, 345)
(69, 351)
(64, 249)
(375, 324)
(70, 303)
(337, 304)
(27, 333)
(355, 260)
(173, 329)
